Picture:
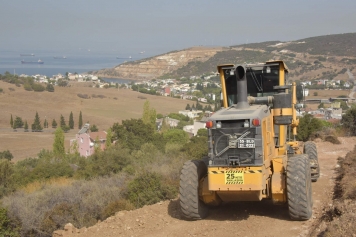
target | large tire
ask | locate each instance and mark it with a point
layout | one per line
(310, 150)
(192, 207)
(299, 188)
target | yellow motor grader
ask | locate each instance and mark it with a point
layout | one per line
(253, 152)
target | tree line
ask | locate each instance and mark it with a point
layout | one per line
(37, 126)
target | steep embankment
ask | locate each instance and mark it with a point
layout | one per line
(236, 219)
(157, 66)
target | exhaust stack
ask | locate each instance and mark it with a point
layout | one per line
(241, 88)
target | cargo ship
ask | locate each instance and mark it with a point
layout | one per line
(32, 62)
(59, 57)
(27, 54)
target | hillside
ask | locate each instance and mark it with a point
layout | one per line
(104, 108)
(234, 219)
(322, 57)
(150, 68)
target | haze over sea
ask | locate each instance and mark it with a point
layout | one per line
(81, 61)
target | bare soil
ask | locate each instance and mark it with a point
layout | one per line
(233, 219)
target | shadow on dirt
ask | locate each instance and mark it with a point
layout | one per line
(237, 211)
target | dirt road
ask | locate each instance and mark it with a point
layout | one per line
(235, 219)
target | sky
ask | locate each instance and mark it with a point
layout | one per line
(128, 27)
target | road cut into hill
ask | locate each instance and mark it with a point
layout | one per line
(232, 219)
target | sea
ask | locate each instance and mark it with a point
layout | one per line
(81, 61)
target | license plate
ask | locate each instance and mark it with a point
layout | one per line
(246, 143)
(234, 177)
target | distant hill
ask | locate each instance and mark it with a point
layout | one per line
(321, 57)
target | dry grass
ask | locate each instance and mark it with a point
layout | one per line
(326, 94)
(79, 202)
(103, 112)
(38, 185)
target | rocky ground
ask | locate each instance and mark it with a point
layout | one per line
(234, 219)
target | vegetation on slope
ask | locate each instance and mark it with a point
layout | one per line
(325, 48)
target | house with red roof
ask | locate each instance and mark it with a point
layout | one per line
(87, 142)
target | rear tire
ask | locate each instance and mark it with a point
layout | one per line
(311, 151)
(299, 189)
(191, 206)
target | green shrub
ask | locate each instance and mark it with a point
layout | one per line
(176, 136)
(7, 226)
(116, 206)
(111, 161)
(307, 126)
(348, 121)
(27, 87)
(332, 139)
(6, 177)
(196, 148)
(50, 87)
(6, 155)
(149, 188)
(38, 87)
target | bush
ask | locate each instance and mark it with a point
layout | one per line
(80, 203)
(110, 161)
(38, 87)
(7, 226)
(196, 148)
(50, 87)
(149, 188)
(6, 155)
(176, 136)
(348, 121)
(43, 168)
(116, 206)
(6, 179)
(27, 87)
(83, 96)
(332, 139)
(308, 125)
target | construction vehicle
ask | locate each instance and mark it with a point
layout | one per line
(252, 149)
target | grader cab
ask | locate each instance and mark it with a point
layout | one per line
(253, 152)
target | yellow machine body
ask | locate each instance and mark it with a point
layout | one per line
(234, 182)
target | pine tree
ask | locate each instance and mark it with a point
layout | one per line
(11, 121)
(93, 128)
(58, 144)
(54, 124)
(108, 138)
(165, 125)
(71, 121)
(45, 124)
(18, 123)
(26, 126)
(62, 122)
(36, 126)
(80, 123)
(149, 114)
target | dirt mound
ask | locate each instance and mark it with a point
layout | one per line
(233, 219)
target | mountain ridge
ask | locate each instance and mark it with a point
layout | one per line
(312, 58)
